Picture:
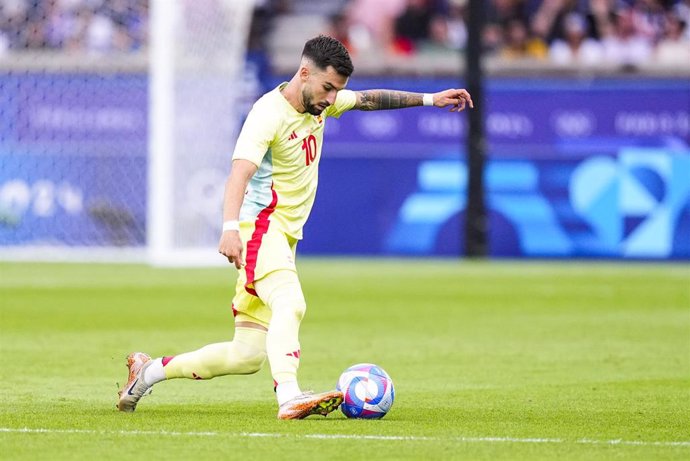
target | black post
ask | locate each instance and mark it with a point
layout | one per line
(476, 221)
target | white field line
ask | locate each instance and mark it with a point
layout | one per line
(411, 438)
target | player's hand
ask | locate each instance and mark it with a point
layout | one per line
(230, 246)
(457, 99)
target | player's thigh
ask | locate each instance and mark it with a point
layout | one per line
(247, 307)
(281, 289)
(267, 252)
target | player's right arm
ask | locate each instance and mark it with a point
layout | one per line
(230, 244)
(254, 141)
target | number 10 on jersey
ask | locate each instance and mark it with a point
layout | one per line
(309, 148)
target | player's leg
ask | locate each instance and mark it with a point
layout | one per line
(282, 292)
(245, 354)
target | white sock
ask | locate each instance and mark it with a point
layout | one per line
(286, 391)
(154, 373)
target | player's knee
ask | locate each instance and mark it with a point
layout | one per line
(290, 304)
(254, 362)
(249, 349)
(297, 310)
(300, 309)
(251, 358)
(283, 294)
(289, 298)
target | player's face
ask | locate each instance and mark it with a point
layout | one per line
(320, 89)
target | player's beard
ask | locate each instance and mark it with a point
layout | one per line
(309, 105)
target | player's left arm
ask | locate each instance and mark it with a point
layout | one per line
(457, 99)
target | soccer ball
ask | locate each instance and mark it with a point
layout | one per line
(368, 391)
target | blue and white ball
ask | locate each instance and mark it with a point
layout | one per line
(368, 391)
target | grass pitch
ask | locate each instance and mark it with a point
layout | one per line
(490, 361)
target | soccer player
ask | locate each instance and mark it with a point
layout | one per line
(268, 196)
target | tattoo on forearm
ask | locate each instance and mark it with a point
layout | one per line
(387, 99)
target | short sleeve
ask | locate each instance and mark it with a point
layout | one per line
(257, 134)
(344, 101)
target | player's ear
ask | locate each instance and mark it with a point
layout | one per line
(304, 73)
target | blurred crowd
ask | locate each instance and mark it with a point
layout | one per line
(93, 26)
(580, 32)
(569, 32)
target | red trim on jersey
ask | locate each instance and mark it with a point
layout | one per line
(167, 359)
(234, 311)
(260, 228)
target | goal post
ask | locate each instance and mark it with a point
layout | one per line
(196, 63)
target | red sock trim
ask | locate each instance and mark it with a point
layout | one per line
(167, 359)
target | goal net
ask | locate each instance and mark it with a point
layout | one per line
(117, 121)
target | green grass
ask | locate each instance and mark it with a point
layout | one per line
(490, 361)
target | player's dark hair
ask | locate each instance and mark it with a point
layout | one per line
(326, 51)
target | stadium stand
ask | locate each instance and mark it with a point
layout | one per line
(399, 36)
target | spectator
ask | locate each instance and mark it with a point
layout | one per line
(100, 33)
(12, 20)
(623, 45)
(339, 28)
(501, 11)
(456, 21)
(675, 46)
(518, 44)
(499, 14)
(372, 24)
(682, 11)
(75, 25)
(601, 11)
(576, 47)
(412, 26)
(648, 18)
(544, 19)
(447, 28)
